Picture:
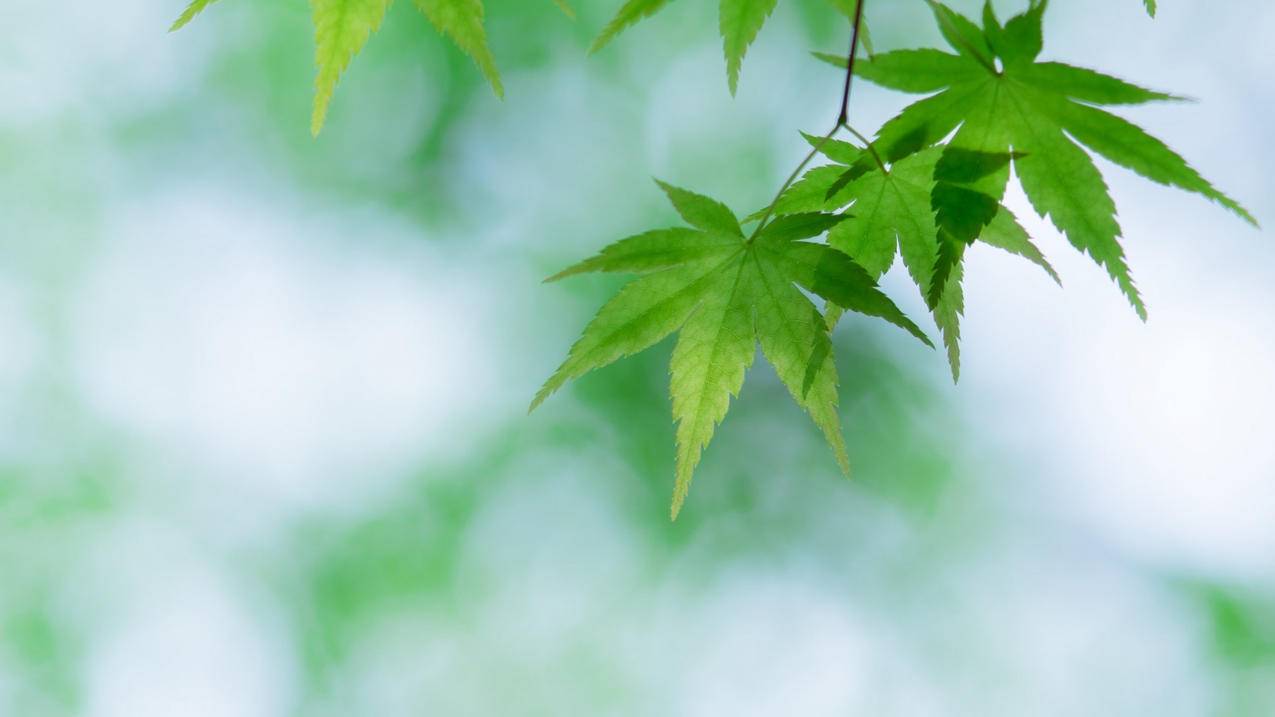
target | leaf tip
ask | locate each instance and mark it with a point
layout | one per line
(679, 500)
(1140, 309)
(551, 387)
(193, 9)
(843, 461)
(535, 403)
(319, 115)
(1244, 214)
(566, 8)
(316, 126)
(599, 42)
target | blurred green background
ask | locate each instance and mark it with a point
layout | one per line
(265, 449)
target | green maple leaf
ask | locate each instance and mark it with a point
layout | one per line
(1004, 103)
(739, 22)
(462, 21)
(629, 14)
(724, 293)
(894, 216)
(343, 27)
(193, 9)
(1150, 7)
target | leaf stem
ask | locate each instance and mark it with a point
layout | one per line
(867, 145)
(842, 119)
(854, 52)
(770, 210)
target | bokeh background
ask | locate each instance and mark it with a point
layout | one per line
(265, 449)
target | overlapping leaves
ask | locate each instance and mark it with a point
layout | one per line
(927, 188)
(343, 27)
(893, 216)
(931, 185)
(1006, 107)
(724, 293)
(739, 22)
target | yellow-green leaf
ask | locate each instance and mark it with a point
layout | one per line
(341, 28)
(714, 349)
(193, 9)
(462, 21)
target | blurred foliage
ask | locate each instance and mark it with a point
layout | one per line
(536, 573)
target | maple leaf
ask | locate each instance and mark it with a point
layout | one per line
(193, 9)
(343, 27)
(462, 21)
(629, 14)
(739, 22)
(894, 216)
(1004, 104)
(724, 293)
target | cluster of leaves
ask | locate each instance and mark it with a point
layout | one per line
(343, 27)
(739, 22)
(724, 293)
(930, 185)
(1005, 108)
(895, 214)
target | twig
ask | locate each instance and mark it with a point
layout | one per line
(842, 119)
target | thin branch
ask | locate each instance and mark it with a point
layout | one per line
(854, 52)
(770, 210)
(842, 118)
